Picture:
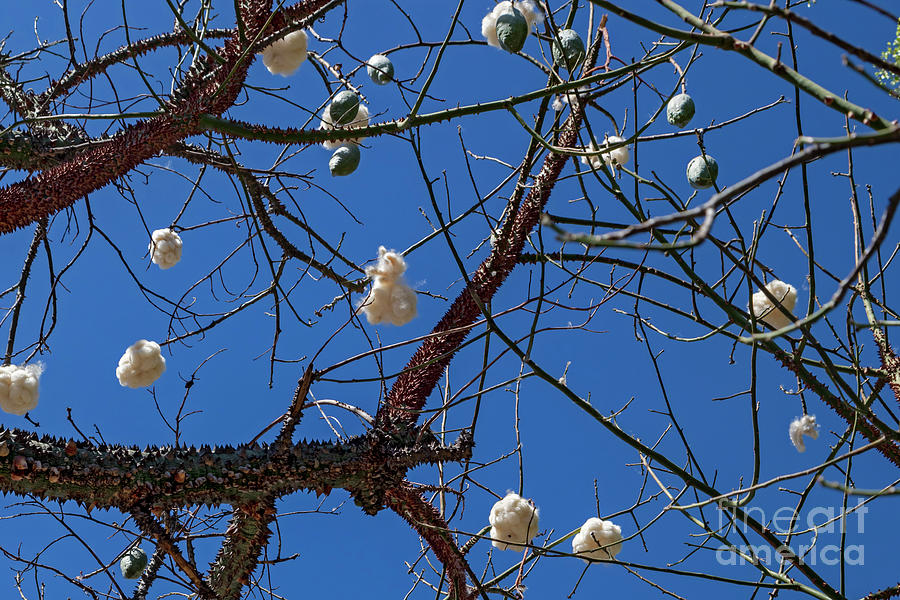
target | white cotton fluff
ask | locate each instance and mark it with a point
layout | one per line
(19, 387)
(141, 365)
(390, 300)
(360, 120)
(613, 158)
(495, 235)
(165, 248)
(598, 539)
(532, 15)
(286, 55)
(767, 312)
(560, 101)
(514, 521)
(617, 157)
(805, 425)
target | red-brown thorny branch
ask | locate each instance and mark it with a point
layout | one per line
(413, 386)
(62, 185)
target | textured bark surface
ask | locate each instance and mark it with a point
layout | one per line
(167, 477)
(209, 89)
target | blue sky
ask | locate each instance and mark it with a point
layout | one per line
(101, 310)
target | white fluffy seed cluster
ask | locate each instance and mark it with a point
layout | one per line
(569, 97)
(598, 540)
(805, 425)
(390, 300)
(767, 312)
(532, 15)
(165, 248)
(514, 521)
(285, 56)
(19, 387)
(141, 365)
(613, 158)
(360, 120)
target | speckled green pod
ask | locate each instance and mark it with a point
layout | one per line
(343, 108)
(344, 160)
(680, 110)
(702, 171)
(512, 30)
(380, 69)
(568, 49)
(133, 563)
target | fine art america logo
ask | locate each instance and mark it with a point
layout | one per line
(812, 526)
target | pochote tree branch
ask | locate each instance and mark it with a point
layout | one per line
(714, 37)
(210, 90)
(413, 386)
(159, 478)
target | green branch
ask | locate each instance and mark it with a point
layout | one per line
(720, 39)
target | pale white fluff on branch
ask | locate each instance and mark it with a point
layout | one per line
(165, 248)
(360, 120)
(598, 539)
(561, 100)
(514, 521)
(805, 425)
(613, 158)
(19, 387)
(532, 15)
(390, 299)
(767, 312)
(141, 365)
(285, 56)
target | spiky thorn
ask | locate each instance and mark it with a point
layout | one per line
(891, 592)
(424, 369)
(163, 540)
(428, 523)
(247, 534)
(209, 89)
(81, 72)
(854, 418)
(149, 574)
(248, 531)
(295, 412)
(422, 373)
(889, 361)
(31, 151)
(160, 478)
(14, 96)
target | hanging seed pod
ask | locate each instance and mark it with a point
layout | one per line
(133, 563)
(680, 110)
(512, 30)
(344, 160)
(702, 171)
(568, 49)
(344, 107)
(380, 69)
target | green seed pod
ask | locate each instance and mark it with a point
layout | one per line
(512, 30)
(702, 171)
(381, 69)
(344, 160)
(568, 49)
(344, 107)
(133, 563)
(680, 110)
